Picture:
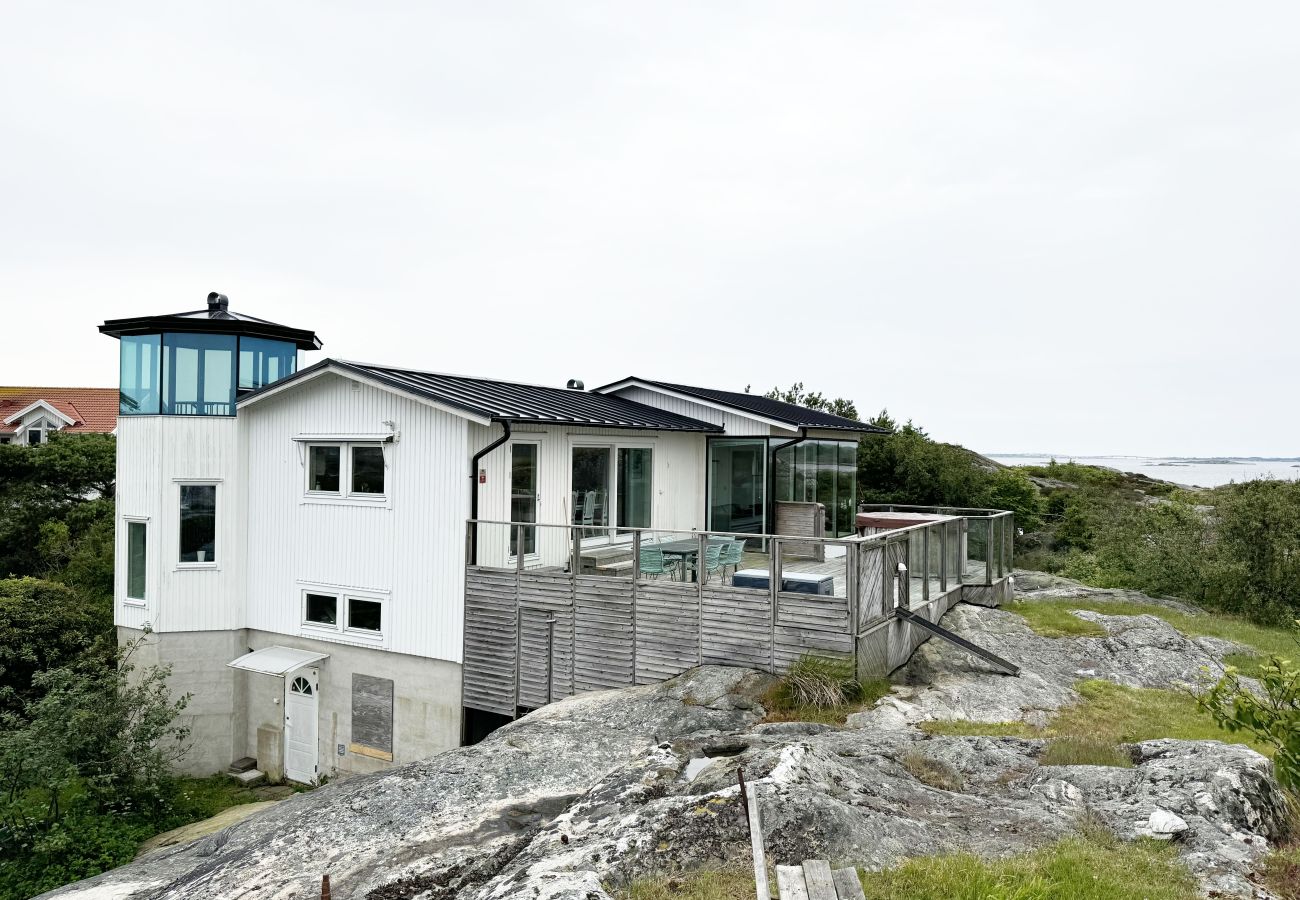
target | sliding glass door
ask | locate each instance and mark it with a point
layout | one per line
(737, 485)
(611, 489)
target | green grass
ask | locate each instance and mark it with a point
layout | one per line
(1052, 618)
(1107, 715)
(1091, 866)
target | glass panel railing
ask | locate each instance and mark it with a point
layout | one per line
(814, 567)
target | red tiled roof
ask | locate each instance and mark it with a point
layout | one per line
(90, 409)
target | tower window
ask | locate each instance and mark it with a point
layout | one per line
(198, 523)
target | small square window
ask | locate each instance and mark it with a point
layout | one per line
(323, 469)
(367, 470)
(322, 609)
(364, 615)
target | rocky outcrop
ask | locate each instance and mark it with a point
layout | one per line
(578, 798)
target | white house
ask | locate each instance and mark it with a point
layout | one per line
(295, 539)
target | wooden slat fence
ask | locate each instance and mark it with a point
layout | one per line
(588, 632)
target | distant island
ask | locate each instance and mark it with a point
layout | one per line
(1155, 460)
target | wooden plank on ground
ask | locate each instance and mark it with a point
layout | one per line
(817, 877)
(790, 883)
(761, 890)
(847, 884)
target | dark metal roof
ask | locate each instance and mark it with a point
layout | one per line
(767, 408)
(508, 401)
(216, 319)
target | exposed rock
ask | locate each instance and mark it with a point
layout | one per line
(586, 794)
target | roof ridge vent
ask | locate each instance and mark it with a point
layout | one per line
(575, 384)
(218, 302)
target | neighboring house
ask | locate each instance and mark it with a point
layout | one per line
(296, 539)
(28, 415)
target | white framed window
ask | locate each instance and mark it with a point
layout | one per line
(198, 524)
(612, 489)
(137, 558)
(344, 614)
(347, 470)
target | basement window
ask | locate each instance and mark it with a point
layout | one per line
(365, 615)
(321, 609)
(342, 614)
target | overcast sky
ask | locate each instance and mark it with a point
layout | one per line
(1030, 227)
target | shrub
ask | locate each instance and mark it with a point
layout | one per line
(821, 689)
(44, 625)
(821, 681)
(935, 772)
(1273, 718)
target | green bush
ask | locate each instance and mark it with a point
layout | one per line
(1272, 718)
(44, 625)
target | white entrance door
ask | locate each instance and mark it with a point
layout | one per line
(300, 722)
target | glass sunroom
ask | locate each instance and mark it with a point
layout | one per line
(744, 471)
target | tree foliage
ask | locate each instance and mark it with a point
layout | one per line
(56, 510)
(836, 406)
(45, 625)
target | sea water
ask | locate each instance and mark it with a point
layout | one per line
(1198, 472)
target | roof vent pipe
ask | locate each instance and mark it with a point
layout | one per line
(575, 385)
(218, 301)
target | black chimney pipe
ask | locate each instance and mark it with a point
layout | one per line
(218, 301)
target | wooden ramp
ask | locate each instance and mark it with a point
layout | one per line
(815, 880)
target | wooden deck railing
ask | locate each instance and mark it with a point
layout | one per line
(576, 611)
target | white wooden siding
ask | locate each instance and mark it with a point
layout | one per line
(677, 473)
(735, 424)
(410, 550)
(154, 453)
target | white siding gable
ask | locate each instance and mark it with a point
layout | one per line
(407, 551)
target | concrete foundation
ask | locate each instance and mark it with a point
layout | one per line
(233, 713)
(215, 713)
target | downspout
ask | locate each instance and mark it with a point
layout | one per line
(473, 487)
(771, 476)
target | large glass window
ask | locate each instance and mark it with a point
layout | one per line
(138, 375)
(634, 494)
(824, 472)
(737, 485)
(523, 495)
(263, 362)
(591, 489)
(136, 533)
(198, 375)
(198, 523)
(611, 488)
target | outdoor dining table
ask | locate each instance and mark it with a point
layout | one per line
(685, 550)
